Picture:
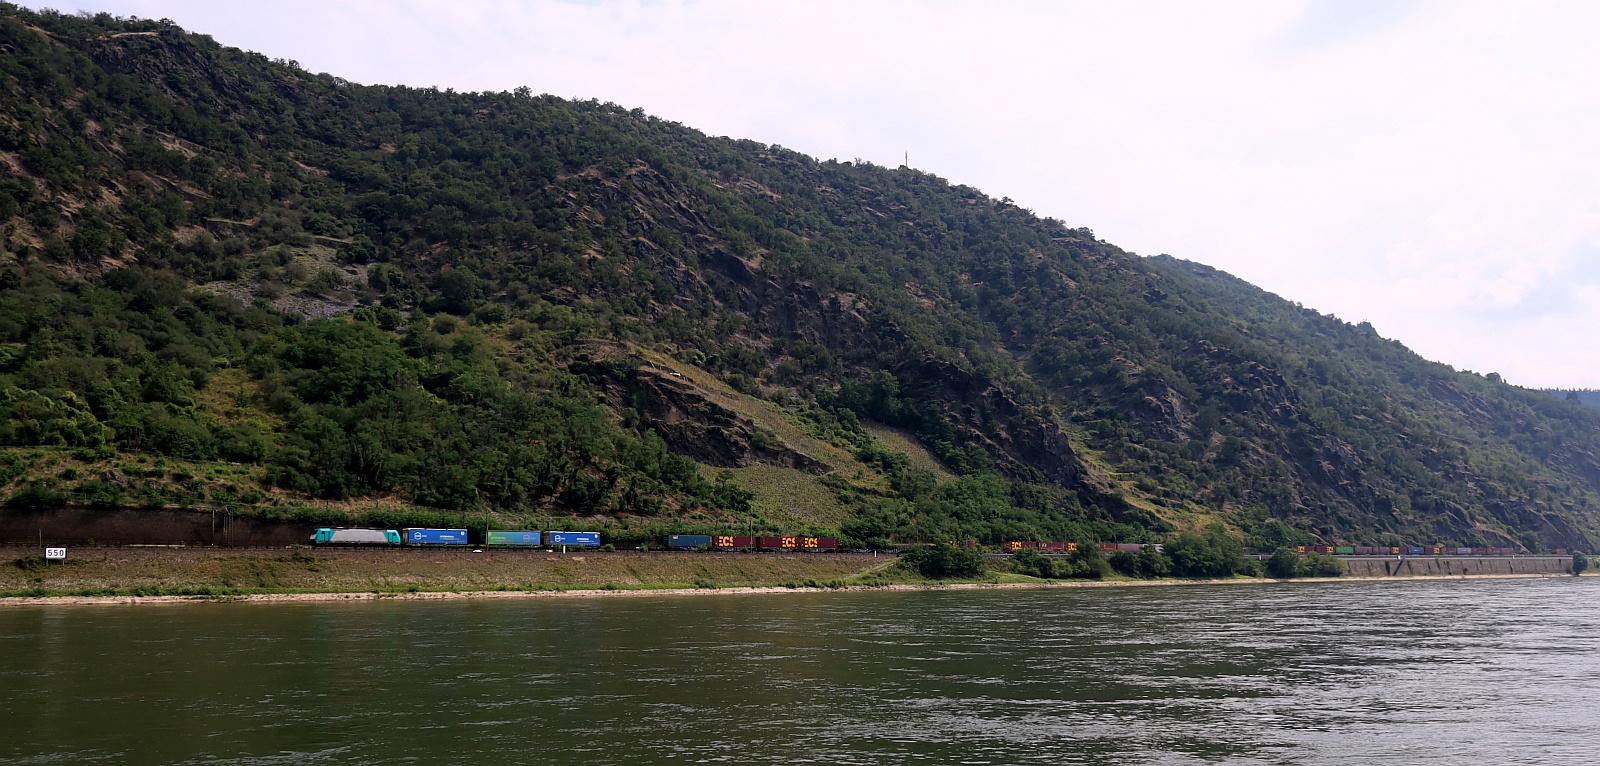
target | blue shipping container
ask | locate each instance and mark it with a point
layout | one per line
(689, 541)
(436, 536)
(581, 539)
(1415, 551)
(497, 537)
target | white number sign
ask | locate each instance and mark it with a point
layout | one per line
(55, 553)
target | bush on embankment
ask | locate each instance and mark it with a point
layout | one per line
(1284, 564)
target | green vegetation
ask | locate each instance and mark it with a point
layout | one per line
(313, 293)
(1580, 563)
(1213, 552)
(944, 560)
(1087, 562)
(1285, 563)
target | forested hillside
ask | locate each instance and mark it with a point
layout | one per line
(227, 281)
(1585, 396)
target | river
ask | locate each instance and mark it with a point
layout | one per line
(1450, 672)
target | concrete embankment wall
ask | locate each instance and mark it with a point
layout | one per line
(1391, 566)
(76, 527)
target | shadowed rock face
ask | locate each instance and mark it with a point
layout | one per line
(1027, 444)
(691, 423)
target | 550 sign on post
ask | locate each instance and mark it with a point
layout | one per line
(55, 554)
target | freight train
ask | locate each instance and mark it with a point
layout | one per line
(1337, 550)
(1017, 545)
(751, 543)
(517, 539)
(1408, 550)
(417, 536)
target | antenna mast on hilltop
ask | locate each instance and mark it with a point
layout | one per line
(908, 160)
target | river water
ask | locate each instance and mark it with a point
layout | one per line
(1481, 671)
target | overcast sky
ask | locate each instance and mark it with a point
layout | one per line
(1430, 167)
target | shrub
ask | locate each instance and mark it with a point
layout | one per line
(1580, 562)
(1318, 565)
(37, 497)
(1029, 561)
(1088, 562)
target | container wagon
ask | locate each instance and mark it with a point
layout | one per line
(686, 542)
(420, 536)
(502, 538)
(819, 543)
(732, 542)
(575, 539)
(330, 536)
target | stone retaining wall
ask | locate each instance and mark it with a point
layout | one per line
(1391, 566)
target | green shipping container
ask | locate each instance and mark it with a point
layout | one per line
(1344, 549)
(498, 537)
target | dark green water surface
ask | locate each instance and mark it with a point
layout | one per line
(1487, 671)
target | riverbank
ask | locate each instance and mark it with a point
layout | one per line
(239, 572)
(172, 576)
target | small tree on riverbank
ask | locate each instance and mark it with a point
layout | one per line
(1283, 564)
(1318, 565)
(1580, 562)
(1211, 553)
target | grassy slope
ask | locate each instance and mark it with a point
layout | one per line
(110, 571)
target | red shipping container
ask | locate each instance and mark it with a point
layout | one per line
(1107, 547)
(1130, 547)
(1363, 550)
(1011, 547)
(824, 543)
(732, 542)
(777, 543)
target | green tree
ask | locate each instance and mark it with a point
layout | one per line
(1212, 552)
(1283, 564)
(945, 560)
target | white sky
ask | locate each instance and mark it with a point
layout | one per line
(1426, 166)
